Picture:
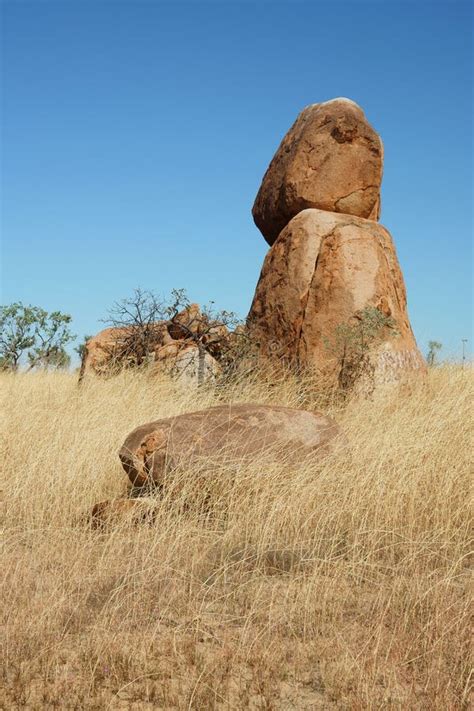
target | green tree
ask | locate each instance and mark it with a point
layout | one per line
(31, 335)
(433, 348)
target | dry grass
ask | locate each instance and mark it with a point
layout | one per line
(339, 586)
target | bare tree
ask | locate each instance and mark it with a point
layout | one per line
(138, 318)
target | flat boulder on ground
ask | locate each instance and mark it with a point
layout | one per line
(224, 435)
(330, 159)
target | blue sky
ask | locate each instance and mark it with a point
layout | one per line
(135, 136)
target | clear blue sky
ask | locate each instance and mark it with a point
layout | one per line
(136, 134)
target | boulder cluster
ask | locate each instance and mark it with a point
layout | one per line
(330, 260)
(187, 346)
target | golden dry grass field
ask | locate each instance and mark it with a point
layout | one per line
(340, 585)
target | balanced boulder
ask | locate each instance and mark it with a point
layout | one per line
(320, 276)
(331, 159)
(223, 435)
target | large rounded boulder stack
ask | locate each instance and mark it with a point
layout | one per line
(332, 272)
(224, 435)
(330, 159)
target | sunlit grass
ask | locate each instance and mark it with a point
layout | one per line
(342, 584)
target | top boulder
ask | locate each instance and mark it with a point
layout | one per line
(330, 159)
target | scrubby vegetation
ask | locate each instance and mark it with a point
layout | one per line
(31, 336)
(342, 585)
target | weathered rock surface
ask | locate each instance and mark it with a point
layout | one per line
(98, 349)
(223, 434)
(331, 159)
(107, 345)
(186, 362)
(323, 269)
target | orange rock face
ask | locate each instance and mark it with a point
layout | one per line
(186, 322)
(331, 159)
(322, 271)
(101, 349)
(223, 434)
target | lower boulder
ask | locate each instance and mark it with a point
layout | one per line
(326, 274)
(224, 435)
